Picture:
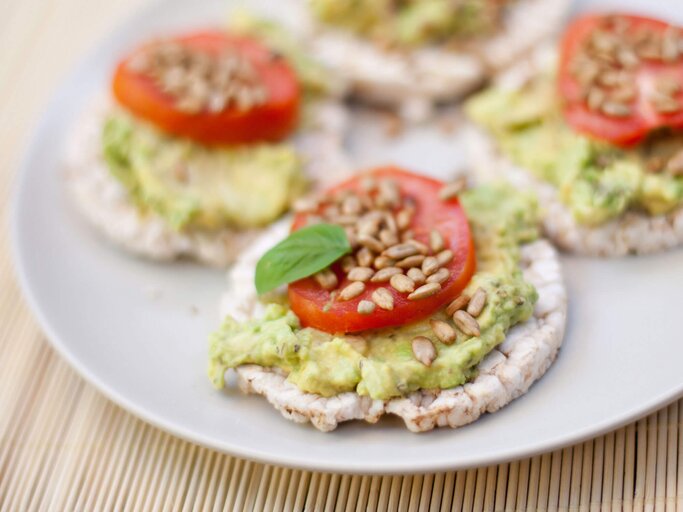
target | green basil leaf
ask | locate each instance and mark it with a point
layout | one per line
(303, 253)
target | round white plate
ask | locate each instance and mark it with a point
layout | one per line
(138, 331)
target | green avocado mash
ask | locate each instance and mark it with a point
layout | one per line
(596, 181)
(382, 364)
(411, 22)
(191, 185)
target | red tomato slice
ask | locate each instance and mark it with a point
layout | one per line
(622, 131)
(271, 121)
(308, 299)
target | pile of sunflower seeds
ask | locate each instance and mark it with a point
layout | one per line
(199, 81)
(377, 222)
(606, 64)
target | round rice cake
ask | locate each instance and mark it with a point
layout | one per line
(105, 203)
(506, 373)
(414, 80)
(631, 233)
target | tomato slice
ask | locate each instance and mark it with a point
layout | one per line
(644, 117)
(270, 121)
(313, 304)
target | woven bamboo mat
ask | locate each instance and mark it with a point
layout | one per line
(63, 446)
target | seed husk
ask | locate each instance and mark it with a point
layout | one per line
(444, 257)
(402, 283)
(443, 331)
(466, 323)
(326, 279)
(423, 350)
(365, 307)
(451, 190)
(364, 257)
(401, 251)
(383, 262)
(411, 261)
(477, 302)
(440, 276)
(416, 275)
(360, 274)
(383, 298)
(430, 265)
(352, 290)
(424, 291)
(436, 241)
(385, 274)
(458, 303)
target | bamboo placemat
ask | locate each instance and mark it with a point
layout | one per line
(63, 446)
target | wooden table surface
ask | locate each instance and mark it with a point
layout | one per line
(63, 446)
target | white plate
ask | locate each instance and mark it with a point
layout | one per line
(128, 326)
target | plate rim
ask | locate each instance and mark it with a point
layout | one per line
(17, 250)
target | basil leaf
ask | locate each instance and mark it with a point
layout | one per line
(303, 253)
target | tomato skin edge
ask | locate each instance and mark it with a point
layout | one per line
(307, 299)
(270, 122)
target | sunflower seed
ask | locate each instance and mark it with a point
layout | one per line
(443, 331)
(421, 248)
(385, 274)
(383, 262)
(436, 241)
(451, 190)
(360, 274)
(407, 235)
(351, 206)
(402, 284)
(347, 263)
(365, 307)
(368, 225)
(403, 218)
(596, 98)
(477, 302)
(440, 276)
(416, 275)
(444, 257)
(388, 238)
(401, 251)
(458, 303)
(352, 290)
(326, 279)
(424, 291)
(430, 265)
(383, 298)
(423, 350)
(466, 323)
(411, 261)
(371, 243)
(674, 166)
(614, 109)
(364, 257)
(390, 223)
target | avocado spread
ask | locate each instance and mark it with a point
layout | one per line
(411, 22)
(194, 186)
(380, 363)
(597, 181)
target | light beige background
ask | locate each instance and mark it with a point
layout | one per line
(65, 447)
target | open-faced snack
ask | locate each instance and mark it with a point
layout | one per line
(404, 296)
(205, 139)
(412, 54)
(596, 132)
